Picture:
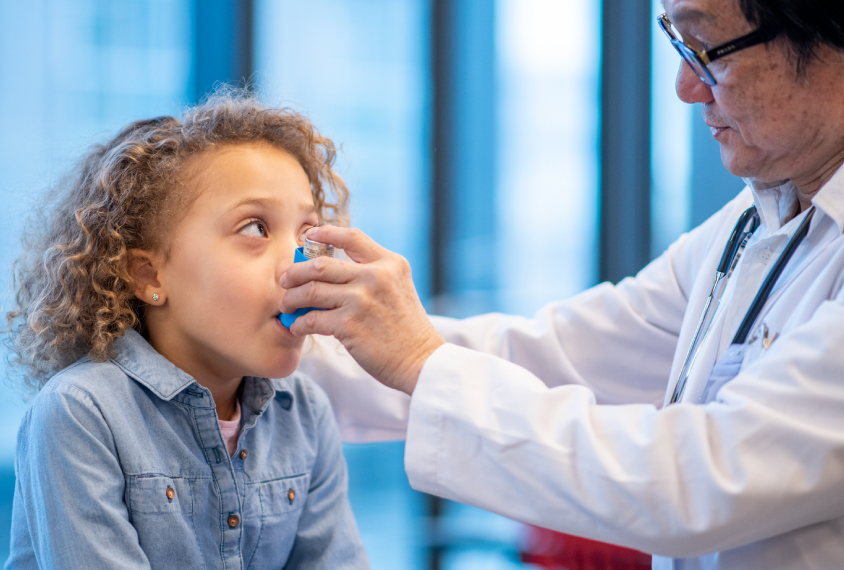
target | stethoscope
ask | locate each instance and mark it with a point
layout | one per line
(746, 225)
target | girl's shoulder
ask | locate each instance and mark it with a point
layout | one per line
(80, 404)
(84, 385)
(85, 376)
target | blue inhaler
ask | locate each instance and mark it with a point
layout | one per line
(311, 250)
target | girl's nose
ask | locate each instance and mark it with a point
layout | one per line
(690, 89)
(285, 260)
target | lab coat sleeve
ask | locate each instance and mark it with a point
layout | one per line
(589, 340)
(592, 339)
(365, 409)
(766, 457)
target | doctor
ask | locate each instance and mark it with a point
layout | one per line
(566, 420)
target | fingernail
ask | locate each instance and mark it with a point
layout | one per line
(284, 280)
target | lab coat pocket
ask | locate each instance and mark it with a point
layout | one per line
(282, 501)
(726, 368)
(161, 510)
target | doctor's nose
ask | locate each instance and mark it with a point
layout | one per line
(690, 89)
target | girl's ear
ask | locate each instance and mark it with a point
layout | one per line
(143, 267)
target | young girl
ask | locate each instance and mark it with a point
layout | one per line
(161, 435)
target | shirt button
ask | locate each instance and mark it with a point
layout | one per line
(291, 494)
(170, 492)
(234, 520)
(243, 454)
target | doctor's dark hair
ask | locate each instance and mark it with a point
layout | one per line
(806, 24)
(74, 292)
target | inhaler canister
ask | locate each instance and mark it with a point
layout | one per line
(311, 250)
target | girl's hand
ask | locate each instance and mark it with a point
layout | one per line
(373, 308)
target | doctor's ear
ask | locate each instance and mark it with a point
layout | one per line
(143, 267)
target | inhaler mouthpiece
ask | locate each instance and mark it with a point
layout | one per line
(313, 249)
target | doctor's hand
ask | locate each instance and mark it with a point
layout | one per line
(373, 308)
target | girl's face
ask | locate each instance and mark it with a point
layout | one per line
(217, 314)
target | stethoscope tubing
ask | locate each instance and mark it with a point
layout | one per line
(735, 241)
(739, 236)
(729, 259)
(765, 291)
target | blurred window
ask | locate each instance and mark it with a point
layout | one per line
(549, 67)
(671, 132)
(359, 70)
(71, 74)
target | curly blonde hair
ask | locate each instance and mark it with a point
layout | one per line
(74, 291)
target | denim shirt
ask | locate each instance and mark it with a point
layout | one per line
(121, 464)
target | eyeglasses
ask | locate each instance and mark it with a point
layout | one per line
(699, 60)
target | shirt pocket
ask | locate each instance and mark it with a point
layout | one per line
(281, 504)
(148, 494)
(161, 510)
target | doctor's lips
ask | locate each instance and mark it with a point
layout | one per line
(716, 130)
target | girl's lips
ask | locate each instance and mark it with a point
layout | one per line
(283, 328)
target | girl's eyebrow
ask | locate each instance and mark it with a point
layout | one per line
(269, 203)
(307, 209)
(261, 202)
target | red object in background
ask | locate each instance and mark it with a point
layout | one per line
(557, 551)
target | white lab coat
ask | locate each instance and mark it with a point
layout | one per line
(559, 420)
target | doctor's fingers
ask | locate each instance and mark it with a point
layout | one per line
(388, 279)
(391, 346)
(326, 269)
(319, 295)
(357, 245)
(333, 322)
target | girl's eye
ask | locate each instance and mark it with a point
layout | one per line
(256, 228)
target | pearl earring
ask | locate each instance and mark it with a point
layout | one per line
(155, 296)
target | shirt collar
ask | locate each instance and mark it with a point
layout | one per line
(777, 202)
(148, 367)
(830, 198)
(145, 365)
